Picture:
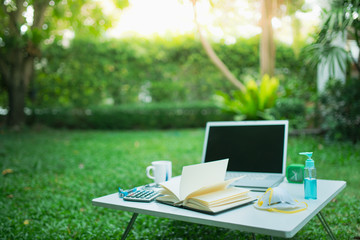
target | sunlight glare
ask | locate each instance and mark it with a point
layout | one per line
(276, 23)
(23, 29)
(173, 17)
(144, 17)
(29, 15)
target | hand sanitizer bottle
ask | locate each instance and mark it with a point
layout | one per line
(310, 184)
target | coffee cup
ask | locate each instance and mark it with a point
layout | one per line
(161, 171)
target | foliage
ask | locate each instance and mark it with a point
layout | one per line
(125, 71)
(340, 21)
(330, 55)
(341, 110)
(254, 103)
(50, 19)
(82, 17)
(158, 70)
(292, 109)
(25, 25)
(72, 78)
(342, 18)
(144, 116)
(56, 174)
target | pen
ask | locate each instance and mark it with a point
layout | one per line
(123, 193)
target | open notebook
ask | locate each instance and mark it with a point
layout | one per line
(255, 149)
(201, 187)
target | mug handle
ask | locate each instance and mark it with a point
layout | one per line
(148, 169)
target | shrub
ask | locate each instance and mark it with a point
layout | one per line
(292, 109)
(144, 116)
(254, 103)
(341, 109)
(90, 72)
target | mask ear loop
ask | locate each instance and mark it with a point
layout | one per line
(260, 201)
(293, 211)
(271, 193)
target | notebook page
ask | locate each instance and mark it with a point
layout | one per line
(196, 176)
(173, 186)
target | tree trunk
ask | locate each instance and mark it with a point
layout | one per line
(16, 115)
(267, 45)
(297, 38)
(17, 57)
(17, 77)
(214, 58)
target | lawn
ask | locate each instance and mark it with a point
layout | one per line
(49, 178)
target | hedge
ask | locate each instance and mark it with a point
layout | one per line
(128, 71)
(145, 116)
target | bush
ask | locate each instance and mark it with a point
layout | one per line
(292, 109)
(341, 110)
(254, 102)
(145, 116)
(91, 72)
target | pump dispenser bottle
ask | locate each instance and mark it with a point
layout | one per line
(310, 184)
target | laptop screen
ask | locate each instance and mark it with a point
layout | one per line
(251, 146)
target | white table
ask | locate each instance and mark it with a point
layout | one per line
(246, 218)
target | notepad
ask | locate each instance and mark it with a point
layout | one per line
(202, 187)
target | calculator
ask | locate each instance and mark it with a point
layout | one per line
(142, 195)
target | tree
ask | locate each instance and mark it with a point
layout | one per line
(250, 101)
(342, 19)
(339, 97)
(269, 9)
(267, 44)
(213, 57)
(25, 25)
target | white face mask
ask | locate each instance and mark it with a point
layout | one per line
(279, 200)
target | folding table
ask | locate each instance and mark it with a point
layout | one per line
(246, 218)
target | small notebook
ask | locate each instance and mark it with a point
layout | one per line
(201, 187)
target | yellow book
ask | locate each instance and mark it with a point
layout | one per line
(202, 187)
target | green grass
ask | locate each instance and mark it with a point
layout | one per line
(57, 173)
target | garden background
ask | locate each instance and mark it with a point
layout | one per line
(140, 83)
(99, 110)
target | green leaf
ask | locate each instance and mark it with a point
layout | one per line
(121, 3)
(254, 102)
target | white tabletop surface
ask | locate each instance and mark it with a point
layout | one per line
(246, 218)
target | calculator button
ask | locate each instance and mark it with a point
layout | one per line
(142, 196)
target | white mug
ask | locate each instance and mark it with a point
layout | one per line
(161, 171)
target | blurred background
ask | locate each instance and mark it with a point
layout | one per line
(139, 64)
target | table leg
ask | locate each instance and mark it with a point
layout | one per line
(129, 226)
(326, 225)
(319, 215)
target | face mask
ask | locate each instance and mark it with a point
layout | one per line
(279, 200)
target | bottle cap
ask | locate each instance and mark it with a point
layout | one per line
(309, 163)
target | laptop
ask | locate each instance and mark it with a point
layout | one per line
(256, 150)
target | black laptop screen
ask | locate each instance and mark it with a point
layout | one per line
(257, 148)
